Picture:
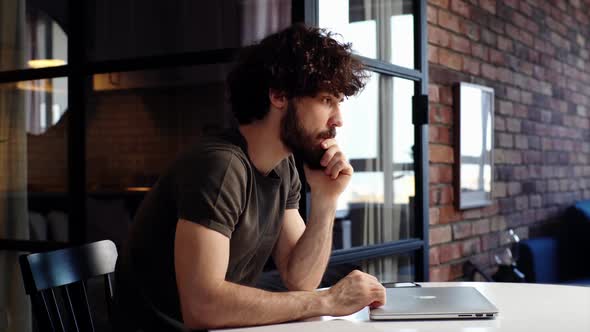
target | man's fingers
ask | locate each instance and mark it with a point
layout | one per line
(328, 143)
(330, 154)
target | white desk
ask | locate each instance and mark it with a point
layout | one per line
(522, 307)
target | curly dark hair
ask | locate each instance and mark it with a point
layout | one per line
(298, 61)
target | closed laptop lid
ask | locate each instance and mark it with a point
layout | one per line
(434, 302)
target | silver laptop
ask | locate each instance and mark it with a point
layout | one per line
(434, 303)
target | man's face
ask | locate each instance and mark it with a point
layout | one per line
(307, 123)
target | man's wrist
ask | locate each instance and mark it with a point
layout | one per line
(324, 201)
(323, 303)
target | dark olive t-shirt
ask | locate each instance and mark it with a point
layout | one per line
(216, 185)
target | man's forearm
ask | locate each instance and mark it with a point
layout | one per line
(244, 306)
(307, 262)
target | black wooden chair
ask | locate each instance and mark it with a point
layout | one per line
(56, 282)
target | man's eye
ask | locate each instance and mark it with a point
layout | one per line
(327, 100)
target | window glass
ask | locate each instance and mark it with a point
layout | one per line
(377, 137)
(382, 30)
(138, 122)
(33, 160)
(33, 35)
(130, 28)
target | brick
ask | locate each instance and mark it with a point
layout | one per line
(490, 241)
(450, 59)
(499, 190)
(440, 273)
(448, 214)
(440, 135)
(471, 66)
(433, 95)
(513, 125)
(441, 174)
(446, 95)
(536, 201)
(449, 252)
(514, 188)
(432, 54)
(433, 215)
(438, 36)
(432, 14)
(488, 5)
(440, 234)
(462, 230)
(505, 44)
(441, 195)
(461, 7)
(505, 108)
(472, 214)
(441, 154)
(488, 71)
(448, 21)
(471, 246)
(521, 141)
(526, 8)
(505, 140)
(460, 44)
(441, 115)
(439, 3)
(497, 57)
(434, 256)
(513, 94)
(471, 30)
(480, 51)
(522, 202)
(499, 124)
(489, 37)
(498, 223)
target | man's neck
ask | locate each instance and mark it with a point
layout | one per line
(265, 148)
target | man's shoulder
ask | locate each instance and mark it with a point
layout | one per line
(213, 152)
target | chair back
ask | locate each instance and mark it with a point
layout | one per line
(56, 282)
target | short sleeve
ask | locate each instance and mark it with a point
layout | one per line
(211, 190)
(295, 186)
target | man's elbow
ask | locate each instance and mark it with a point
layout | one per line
(202, 312)
(202, 317)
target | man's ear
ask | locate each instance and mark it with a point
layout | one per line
(278, 99)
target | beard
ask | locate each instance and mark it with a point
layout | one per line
(301, 142)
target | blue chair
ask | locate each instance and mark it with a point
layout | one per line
(560, 259)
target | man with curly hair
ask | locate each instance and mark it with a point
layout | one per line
(202, 235)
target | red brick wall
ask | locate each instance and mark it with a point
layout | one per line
(535, 54)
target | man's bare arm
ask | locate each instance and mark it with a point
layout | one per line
(302, 253)
(201, 259)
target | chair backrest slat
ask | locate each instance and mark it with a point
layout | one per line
(53, 309)
(109, 292)
(69, 303)
(68, 269)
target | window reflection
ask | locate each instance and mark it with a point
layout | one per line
(33, 35)
(33, 159)
(377, 29)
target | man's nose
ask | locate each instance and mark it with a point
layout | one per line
(335, 120)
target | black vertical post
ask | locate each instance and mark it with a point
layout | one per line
(421, 138)
(76, 123)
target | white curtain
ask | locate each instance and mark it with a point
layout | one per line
(15, 311)
(263, 17)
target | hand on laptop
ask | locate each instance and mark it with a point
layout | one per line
(354, 292)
